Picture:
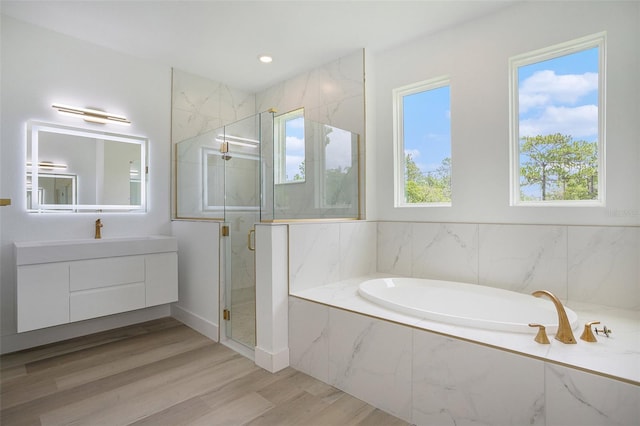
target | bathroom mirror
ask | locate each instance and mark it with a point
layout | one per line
(73, 169)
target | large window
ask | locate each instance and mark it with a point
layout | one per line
(557, 115)
(422, 137)
(289, 147)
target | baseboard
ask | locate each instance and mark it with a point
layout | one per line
(199, 324)
(272, 362)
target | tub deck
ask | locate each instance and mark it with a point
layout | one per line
(617, 357)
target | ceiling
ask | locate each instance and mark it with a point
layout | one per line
(221, 40)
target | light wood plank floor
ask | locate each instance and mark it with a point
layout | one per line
(163, 373)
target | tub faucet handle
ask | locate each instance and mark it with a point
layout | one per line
(606, 331)
(587, 334)
(541, 337)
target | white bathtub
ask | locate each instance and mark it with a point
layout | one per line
(463, 304)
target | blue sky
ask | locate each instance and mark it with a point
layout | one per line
(557, 95)
(427, 127)
(560, 96)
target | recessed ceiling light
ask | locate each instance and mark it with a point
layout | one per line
(265, 59)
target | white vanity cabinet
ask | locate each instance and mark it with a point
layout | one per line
(58, 283)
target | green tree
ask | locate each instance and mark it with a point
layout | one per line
(430, 187)
(301, 172)
(559, 167)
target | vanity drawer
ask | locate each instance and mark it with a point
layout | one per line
(113, 271)
(106, 301)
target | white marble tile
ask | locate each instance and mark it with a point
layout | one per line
(357, 249)
(341, 79)
(346, 114)
(445, 251)
(394, 247)
(524, 258)
(458, 383)
(371, 359)
(314, 255)
(200, 104)
(578, 398)
(604, 265)
(309, 338)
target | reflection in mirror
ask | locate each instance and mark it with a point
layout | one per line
(59, 189)
(77, 169)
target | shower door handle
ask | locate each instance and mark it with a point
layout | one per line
(249, 246)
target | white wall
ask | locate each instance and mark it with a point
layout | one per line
(39, 68)
(475, 55)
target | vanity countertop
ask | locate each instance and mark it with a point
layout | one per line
(34, 252)
(617, 356)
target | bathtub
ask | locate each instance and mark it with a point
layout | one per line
(468, 305)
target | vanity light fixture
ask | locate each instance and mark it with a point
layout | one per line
(265, 59)
(49, 165)
(91, 115)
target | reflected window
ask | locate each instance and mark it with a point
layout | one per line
(340, 167)
(289, 147)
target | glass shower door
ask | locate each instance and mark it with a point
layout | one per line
(241, 154)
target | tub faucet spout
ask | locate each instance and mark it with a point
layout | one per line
(564, 334)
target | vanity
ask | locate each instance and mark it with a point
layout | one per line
(59, 282)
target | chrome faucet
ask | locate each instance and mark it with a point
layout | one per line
(564, 334)
(98, 226)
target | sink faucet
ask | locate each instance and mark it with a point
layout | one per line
(564, 334)
(98, 226)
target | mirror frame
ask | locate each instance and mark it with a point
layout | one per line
(33, 131)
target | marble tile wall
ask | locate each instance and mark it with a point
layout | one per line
(200, 104)
(323, 253)
(593, 264)
(425, 378)
(331, 94)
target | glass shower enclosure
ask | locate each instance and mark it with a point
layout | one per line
(227, 175)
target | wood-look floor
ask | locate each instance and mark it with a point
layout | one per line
(163, 373)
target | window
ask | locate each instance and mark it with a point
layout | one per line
(557, 116)
(290, 153)
(422, 130)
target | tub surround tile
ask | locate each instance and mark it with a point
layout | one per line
(604, 265)
(524, 258)
(395, 245)
(357, 249)
(309, 338)
(618, 356)
(445, 251)
(577, 398)
(315, 256)
(458, 383)
(371, 359)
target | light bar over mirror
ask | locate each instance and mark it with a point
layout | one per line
(91, 115)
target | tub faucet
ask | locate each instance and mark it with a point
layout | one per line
(564, 334)
(98, 226)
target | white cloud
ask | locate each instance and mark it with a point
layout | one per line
(338, 151)
(294, 145)
(293, 165)
(415, 153)
(579, 122)
(545, 88)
